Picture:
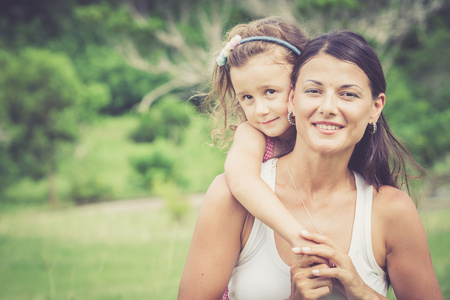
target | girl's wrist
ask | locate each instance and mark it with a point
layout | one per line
(296, 240)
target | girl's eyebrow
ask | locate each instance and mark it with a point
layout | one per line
(262, 87)
(241, 93)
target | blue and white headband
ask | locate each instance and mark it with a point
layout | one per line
(237, 40)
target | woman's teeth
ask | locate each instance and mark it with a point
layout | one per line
(328, 127)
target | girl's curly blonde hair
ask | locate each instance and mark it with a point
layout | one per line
(220, 102)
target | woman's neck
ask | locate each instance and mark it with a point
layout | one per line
(316, 171)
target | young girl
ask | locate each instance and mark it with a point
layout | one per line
(251, 85)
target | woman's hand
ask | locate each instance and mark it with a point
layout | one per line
(341, 267)
(304, 284)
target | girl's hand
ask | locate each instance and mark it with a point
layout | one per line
(341, 267)
(304, 284)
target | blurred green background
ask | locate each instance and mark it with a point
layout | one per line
(103, 161)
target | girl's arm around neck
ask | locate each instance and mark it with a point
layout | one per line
(215, 245)
(243, 172)
(408, 259)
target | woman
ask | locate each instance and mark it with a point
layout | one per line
(338, 182)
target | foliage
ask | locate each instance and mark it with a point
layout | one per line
(39, 91)
(159, 165)
(420, 93)
(103, 65)
(168, 118)
(176, 202)
(43, 101)
(113, 55)
(423, 140)
(89, 187)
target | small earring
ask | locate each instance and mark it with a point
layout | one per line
(289, 116)
(374, 127)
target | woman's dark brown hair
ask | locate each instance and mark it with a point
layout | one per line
(380, 158)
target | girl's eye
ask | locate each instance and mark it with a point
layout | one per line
(270, 91)
(247, 97)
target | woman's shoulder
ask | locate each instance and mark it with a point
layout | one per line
(396, 212)
(393, 200)
(219, 200)
(393, 206)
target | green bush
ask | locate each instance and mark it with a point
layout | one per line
(168, 118)
(160, 164)
(89, 188)
(177, 203)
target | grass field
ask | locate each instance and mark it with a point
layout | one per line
(91, 253)
(121, 251)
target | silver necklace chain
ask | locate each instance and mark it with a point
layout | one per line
(307, 211)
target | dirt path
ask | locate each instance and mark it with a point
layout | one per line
(130, 205)
(439, 200)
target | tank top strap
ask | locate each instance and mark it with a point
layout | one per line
(361, 251)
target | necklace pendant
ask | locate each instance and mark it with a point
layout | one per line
(306, 209)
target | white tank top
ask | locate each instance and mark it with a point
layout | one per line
(261, 274)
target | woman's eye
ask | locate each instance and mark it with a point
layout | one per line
(349, 95)
(312, 91)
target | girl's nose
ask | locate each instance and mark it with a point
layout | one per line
(261, 108)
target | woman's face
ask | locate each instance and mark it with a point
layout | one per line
(333, 104)
(262, 87)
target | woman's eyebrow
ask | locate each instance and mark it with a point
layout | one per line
(342, 86)
(313, 81)
(351, 85)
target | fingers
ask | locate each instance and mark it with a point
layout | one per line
(317, 238)
(309, 286)
(333, 256)
(305, 261)
(330, 272)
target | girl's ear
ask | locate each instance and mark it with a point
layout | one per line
(290, 103)
(378, 105)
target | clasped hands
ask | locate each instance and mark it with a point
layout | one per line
(321, 268)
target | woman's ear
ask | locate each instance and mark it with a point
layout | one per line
(378, 105)
(290, 103)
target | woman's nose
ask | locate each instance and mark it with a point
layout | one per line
(328, 105)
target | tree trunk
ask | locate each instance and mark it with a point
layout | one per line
(52, 196)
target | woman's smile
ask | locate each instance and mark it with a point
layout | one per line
(327, 128)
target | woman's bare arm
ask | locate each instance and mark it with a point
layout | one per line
(215, 245)
(408, 259)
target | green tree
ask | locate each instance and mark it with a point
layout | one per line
(43, 101)
(420, 90)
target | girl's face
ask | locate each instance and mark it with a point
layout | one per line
(262, 87)
(333, 104)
